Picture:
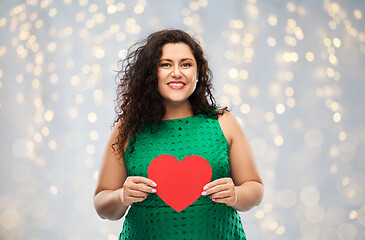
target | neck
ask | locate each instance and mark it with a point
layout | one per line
(177, 111)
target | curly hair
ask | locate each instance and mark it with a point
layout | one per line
(138, 100)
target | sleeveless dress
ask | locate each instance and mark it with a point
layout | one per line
(204, 219)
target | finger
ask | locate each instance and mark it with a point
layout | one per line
(217, 182)
(141, 187)
(139, 184)
(227, 201)
(133, 193)
(147, 181)
(215, 189)
(128, 200)
(223, 194)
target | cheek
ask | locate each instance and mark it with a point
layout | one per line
(192, 76)
(162, 74)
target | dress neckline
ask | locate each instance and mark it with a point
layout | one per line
(176, 119)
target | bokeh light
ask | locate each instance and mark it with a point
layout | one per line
(290, 71)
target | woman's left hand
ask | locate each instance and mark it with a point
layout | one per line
(221, 190)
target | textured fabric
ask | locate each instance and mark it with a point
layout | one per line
(204, 219)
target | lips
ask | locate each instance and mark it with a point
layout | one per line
(176, 85)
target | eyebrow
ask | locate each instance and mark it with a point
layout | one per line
(182, 60)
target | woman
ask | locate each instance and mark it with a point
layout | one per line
(165, 107)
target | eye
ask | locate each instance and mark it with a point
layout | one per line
(165, 65)
(186, 64)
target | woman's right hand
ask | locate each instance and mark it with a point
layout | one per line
(136, 189)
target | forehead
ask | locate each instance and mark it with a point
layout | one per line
(176, 51)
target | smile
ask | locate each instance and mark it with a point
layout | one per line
(176, 85)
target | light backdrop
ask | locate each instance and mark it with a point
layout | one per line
(292, 72)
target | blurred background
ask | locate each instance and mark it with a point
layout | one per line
(292, 72)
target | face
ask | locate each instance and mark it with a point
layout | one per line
(177, 73)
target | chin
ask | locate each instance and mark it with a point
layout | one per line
(175, 101)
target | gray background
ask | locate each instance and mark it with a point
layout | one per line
(291, 72)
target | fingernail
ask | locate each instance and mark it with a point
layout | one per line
(204, 193)
(154, 190)
(205, 188)
(145, 197)
(154, 184)
(213, 199)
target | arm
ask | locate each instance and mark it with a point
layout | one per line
(115, 191)
(112, 175)
(244, 189)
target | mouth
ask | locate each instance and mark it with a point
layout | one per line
(176, 85)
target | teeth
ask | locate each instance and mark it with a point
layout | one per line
(176, 84)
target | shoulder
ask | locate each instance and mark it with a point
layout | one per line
(116, 136)
(229, 125)
(227, 118)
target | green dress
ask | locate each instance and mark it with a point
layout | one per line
(204, 219)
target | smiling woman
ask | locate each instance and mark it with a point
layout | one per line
(138, 94)
(177, 76)
(168, 130)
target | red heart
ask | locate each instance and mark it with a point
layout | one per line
(179, 184)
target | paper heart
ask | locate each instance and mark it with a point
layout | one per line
(179, 184)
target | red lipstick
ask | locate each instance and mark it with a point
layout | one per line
(176, 85)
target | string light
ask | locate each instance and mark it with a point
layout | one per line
(288, 82)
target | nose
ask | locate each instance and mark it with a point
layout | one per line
(176, 73)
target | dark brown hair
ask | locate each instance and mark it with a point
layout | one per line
(138, 100)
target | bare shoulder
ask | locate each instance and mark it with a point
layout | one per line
(228, 120)
(229, 125)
